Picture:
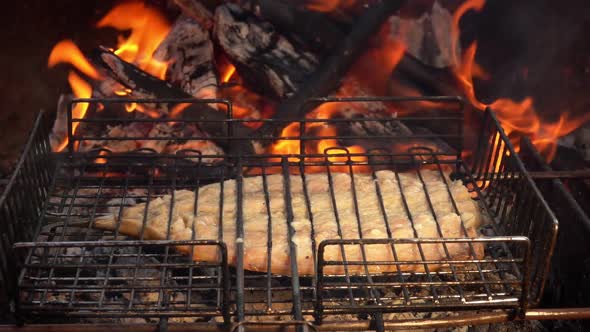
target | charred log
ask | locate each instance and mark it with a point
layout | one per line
(426, 80)
(310, 28)
(210, 120)
(329, 75)
(265, 59)
(189, 51)
(143, 84)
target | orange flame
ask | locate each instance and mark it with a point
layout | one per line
(468, 5)
(322, 144)
(81, 89)
(371, 71)
(148, 29)
(519, 118)
(67, 52)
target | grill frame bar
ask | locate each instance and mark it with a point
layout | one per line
(284, 162)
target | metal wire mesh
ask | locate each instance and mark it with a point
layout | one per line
(72, 269)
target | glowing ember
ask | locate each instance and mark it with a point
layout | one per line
(329, 5)
(228, 74)
(130, 107)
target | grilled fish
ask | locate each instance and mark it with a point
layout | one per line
(318, 207)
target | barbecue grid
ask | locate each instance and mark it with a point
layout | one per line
(70, 269)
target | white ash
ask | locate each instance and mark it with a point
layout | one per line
(108, 86)
(117, 67)
(160, 129)
(429, 37)
(176, 142)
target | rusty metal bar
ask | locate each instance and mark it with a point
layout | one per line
(462, 320)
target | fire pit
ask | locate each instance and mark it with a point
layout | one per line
(238, 93)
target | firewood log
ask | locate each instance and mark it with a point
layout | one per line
(266, 60)
(306, 27)
(189, 51)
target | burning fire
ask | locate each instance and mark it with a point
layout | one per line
(519, 118)
(67, 52)
(148, 28)
(81, 89)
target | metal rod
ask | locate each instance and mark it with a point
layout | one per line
(461, 320)
(573, 174)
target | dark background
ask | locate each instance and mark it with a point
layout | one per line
(30, 29)
(531, 47)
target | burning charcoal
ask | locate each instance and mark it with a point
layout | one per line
(189, 51)
(266, 60)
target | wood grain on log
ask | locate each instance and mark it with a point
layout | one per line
(189, 51)
(315, 30)
(266, 60)
(197, 11)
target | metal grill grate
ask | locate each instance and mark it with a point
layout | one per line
(72, 269)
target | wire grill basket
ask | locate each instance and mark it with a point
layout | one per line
(68, 268)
